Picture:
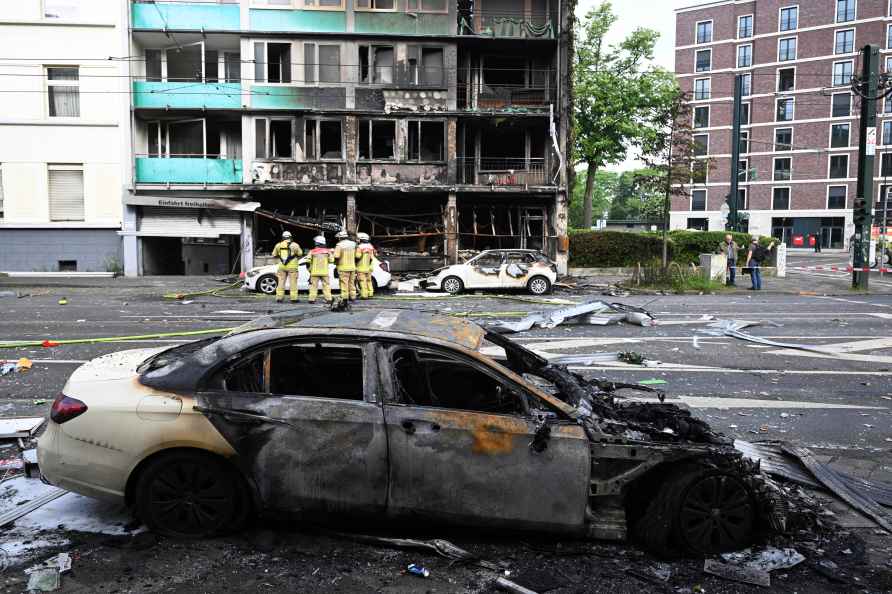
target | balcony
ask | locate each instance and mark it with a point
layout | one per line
(503, 172)
(403, 23)
(499, 18)
(194, 15)
(298, 21)
(186, 95)
(187, 170)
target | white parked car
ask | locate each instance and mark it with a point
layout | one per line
(497, 269)
(263, 278)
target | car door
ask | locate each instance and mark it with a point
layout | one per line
(484, 271)
(304, 418)
(516, 271)
(464, 446)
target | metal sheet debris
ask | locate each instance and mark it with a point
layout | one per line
(27, 508)
(746, 575)
(503, 583)
(768, 559)
(600, 312)
(733, 329)
(16, 427)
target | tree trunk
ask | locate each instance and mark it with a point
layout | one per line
(589, 194)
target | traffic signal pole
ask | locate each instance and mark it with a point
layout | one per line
(867, 146)
(734, 195)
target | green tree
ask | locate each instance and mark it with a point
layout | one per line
(616, 92)
(602, 196)
(636, 197)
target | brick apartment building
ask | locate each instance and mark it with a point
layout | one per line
(799, 141)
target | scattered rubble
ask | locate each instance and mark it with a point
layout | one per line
(598, 313)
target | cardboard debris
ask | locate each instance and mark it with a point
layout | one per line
(16, 427)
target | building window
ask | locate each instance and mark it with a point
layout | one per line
(432, 66)
(377, 139)
(698, 200)
(153, 65)
(232, 67)
(845, 41)
(887, 133)
(839, 167)
(376, 64)
(427, 141)
(742, 203)
(780, 199)
(427, 6)
(1, 192)
(842, 73)
(842, 105)
(836, 197)
(66, 192)
(274, 138)
(783, 139)
(746, 84)
(786, 49)
(704, 60)
(889, 37)
(789, 18)
(886, 165)
(783, 169)
(845, 11)
(887, 105)
(323, 139)
(324, 4)
(60, 9)
(744, 56)
(63, 91)
(376, 4)
(699, 172)
(700, 144)
(324, 67)
(743, 144)
(272, 62)
(701, 117)
(702, 89)
(743, 170)
(786, 80)
(697, 224)
(744, 114)
(745, 26)
(704, 32)
(839, 136)
(784, 110)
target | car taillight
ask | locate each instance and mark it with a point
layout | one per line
(385, 266)
(66, 408)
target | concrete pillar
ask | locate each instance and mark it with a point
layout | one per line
(560, 224)
(247, 258)
(452, 229)
(352, 222)
(131, 253)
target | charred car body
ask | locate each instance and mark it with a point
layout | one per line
(394, 413)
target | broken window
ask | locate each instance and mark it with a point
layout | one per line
(186, 138)
(376, 64)
(503, 148)
(280, 139)
(427, 141)
(153, 130)
(153, 65)
(433, 379)
(377, 139)
(272, 62)
(427, 6)
(323, 140)
(211, 66)
(376, 4)
(324, 67)
(260, 138)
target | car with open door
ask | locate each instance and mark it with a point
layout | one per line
(497, 269)
(397, 414)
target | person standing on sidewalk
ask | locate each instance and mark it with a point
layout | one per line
(754, 259)
(345, 259)
(817, 243)
(288, 253)
(365, 257)
(320, 258)
(730, 248)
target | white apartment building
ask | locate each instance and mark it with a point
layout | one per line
(63, 98)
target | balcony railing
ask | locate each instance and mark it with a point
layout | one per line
(535, 24)
(186, 95)
(484, 96)
(500, 171)
(211, 15)
(188, 169)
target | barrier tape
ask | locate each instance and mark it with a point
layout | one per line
(839, 269)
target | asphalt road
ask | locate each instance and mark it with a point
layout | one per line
(839, 405)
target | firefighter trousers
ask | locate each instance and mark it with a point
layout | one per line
(348, 284)
(314, 288)
(291, 275)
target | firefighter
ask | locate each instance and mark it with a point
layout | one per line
(288, 253)
(365, 254)
(345, 259)
(320, 258)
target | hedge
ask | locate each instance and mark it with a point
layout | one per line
(613, 249)
(690, 244)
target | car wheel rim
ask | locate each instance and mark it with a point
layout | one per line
(451, 286)
(538, 286)
(717, 515)
(190, 499)
(268, 285)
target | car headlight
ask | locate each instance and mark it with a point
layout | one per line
(253, 272)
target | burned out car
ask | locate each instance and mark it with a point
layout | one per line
(393, 413)
(496, 269)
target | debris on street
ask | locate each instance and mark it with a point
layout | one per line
(737, 573)
(20, 427)
(733, 329)
(418, 570)
(44, 580)
(598, 313)
(768, 559)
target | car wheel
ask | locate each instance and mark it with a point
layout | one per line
(539, 285)
(267, 284)
(698, 510)
(190, 495)
(453, 285)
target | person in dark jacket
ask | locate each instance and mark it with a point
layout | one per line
(756, 255)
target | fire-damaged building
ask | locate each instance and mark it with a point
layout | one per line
(438, 127)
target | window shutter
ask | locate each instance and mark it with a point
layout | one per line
(66, 195)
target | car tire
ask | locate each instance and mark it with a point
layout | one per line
(539, 285)
(697, 510)
(191, 495)
(453, 285)
(267, 284)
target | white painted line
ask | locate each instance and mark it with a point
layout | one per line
(652, 370)
(49, 361)
(729, 403)
(854, 302)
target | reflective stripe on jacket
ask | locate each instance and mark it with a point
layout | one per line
(364, 255)
(345, 256)
(320, 258)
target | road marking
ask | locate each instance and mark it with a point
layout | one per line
(845, 350)
(45, 361)
(691, 369)
(851, 301)
(729, 403)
